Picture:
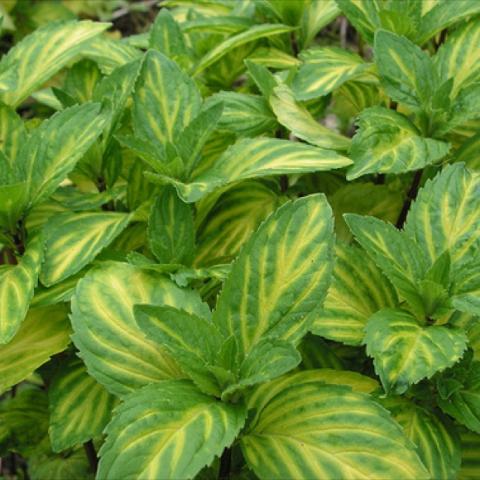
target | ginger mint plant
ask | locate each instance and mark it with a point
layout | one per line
(243, 244)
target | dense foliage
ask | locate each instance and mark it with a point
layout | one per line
(244, 243)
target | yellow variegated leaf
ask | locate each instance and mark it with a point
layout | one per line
(358, 290)
(281, 275)
(74, 239)
(468, 153)
(116, 352)
(446, 216)
(301, 123)
(254, 33)
(324, 69)
(12, 131)
(318, 13)
(470, 469)
(17, 283)
(315, 430)
(43, 53)
(168, 430)
(256, 157)
(459, 57)
(437, 441)
(79, 406)
(235, 216)
(405, 352)
(45, 332)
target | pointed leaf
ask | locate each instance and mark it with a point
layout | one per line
(43, 53)
(73, 240)
(115, 350)
(405, 352)
(169, 430)
(166, 35)
(280, 276)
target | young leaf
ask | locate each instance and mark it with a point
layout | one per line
(280, 276)
(16, 288)
(294, 430)
(167, 430)
(73, 240)
(407, 72)
(396, 254)
(358, 290)
(436, 440)
(387, 142)
(252, 158)
(446, 216)
(115, 350)
(171, 231)
(193, 341)
(166, 36)
(44, 333)
(405, 352)
(324, 69)
(301, 123)
(43, 53)
(79, 407)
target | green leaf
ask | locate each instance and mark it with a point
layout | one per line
(281, 275)
(301, 123)
(193, 341)
(16, 289)
(54, 148)
(458, 57)
(79, 407)
(253, 158)
(463, 404)
(59, 467)
(396, 254)
(43, 53)
(44, 333)
(164, 102)
(436, 440)
(324, 69)
(358, 290)
(387, 142)
(115, 350)
(405, 352)
(244, 114)
(166, 35)
(406, 71)
(254, 33)
(363, 15)
(73, 240)
(171, 231)
(12, 130)
(327, 431)
(446, 216)
(470, 443)
(464, 108)
(465, 291)
(81, 80)
(317, 14)
(443, 14)
(467, 153)
(169, 430)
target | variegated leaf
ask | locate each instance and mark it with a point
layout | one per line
(314, 430)
(43, 53)
(73, 240)
(405, 352)
(44, 333)
(253, 158)
(470, 469)
(79, 406)
(115, 350)
(281, 275)
(324, 69)
(358, 290)
(17, 283)
(387, 142)
(168, 430)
